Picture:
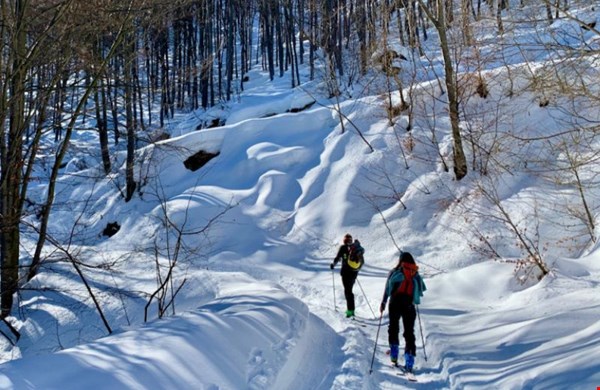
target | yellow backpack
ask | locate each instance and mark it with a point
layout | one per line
(355, 257)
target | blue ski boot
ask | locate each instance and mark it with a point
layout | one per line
(394, 348)
(409, 362)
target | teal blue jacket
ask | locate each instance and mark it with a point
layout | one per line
(395, 278)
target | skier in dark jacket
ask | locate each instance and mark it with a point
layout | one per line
(351, 256)
(404, 287)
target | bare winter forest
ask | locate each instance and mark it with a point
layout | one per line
(123, 69)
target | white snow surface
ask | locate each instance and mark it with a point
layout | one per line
(257, 306)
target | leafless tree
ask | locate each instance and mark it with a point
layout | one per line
(439, 20)
(170, 253)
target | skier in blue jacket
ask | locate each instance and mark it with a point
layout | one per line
(404, 287)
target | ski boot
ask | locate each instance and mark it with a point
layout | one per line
(409, 362)
(394, 354)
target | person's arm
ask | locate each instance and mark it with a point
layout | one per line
(385, 294)
(419, 289)
(337, 258)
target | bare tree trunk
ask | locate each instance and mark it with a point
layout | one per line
(499, 17)
(439, 21)
(449, 12)
(279, 35)
(129, 52)
(12, 160)
(466, 22)
(548, 11)
(313, 37)
(100, 102)
(230, 48)
(112, 100)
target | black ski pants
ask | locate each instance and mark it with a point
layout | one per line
(348, 279)
(407, 312)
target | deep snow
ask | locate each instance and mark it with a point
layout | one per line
(257, 308)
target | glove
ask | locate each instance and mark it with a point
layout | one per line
(382, 307)
(331, 265)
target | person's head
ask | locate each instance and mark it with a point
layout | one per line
(347, 239)
(405, 257)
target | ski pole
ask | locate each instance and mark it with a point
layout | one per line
(375, 348)
(421, 329)
(333, 283)
(365, 295)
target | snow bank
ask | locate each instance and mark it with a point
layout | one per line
(243, 339)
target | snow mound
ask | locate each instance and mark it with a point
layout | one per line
(262, 324)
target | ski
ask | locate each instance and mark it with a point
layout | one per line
(365, 322)
(401, 371)
(357, 322)
(409, 375)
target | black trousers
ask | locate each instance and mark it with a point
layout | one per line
(400, 309)
(348, 279)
